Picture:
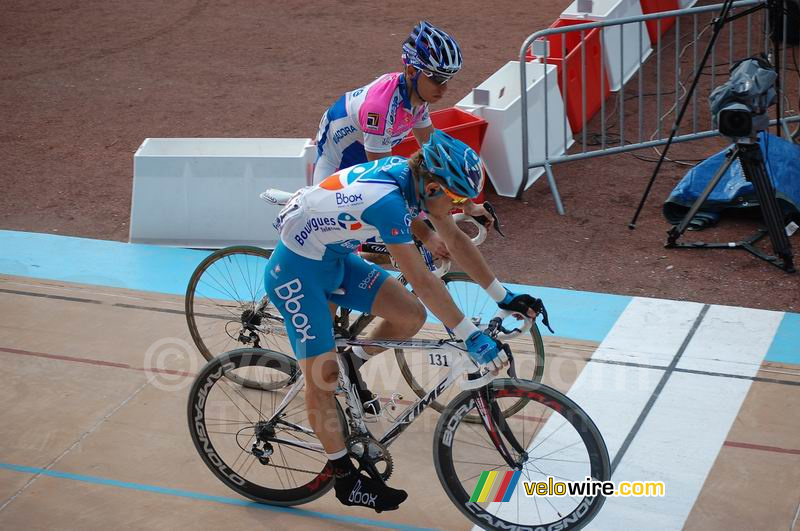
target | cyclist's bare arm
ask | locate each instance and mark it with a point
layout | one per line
(427, 287)
(429, 238)
(462, 249)
(420, 229)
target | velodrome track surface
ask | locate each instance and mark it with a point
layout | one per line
(702, 397)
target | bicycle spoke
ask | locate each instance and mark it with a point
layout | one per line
(307, 453)
(562, 446)
(284, 473)
(252, 462)
(475, 463)
(226, 422)
(243, 452)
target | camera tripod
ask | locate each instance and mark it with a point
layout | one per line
(748, 152)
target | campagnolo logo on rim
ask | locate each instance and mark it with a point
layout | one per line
(199, 426)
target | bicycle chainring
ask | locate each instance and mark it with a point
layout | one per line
(372, 456)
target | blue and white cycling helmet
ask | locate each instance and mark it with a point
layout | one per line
(455, 163)
(430, 49)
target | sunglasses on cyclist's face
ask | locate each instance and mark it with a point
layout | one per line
(436, 78)
(456, 199)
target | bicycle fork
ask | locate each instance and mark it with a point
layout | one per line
(498, 429)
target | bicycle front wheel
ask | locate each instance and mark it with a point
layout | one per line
(260, 450)
(551, 436)
(227, 306)
(424, 370)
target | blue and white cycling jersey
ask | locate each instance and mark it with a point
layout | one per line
(373, 118)
(363, 203)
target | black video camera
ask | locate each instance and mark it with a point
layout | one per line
(739, 107)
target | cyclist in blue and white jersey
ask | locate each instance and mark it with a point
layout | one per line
(320, 228)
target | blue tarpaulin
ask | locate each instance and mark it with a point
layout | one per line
(733, 191)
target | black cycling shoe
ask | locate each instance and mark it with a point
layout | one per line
(359, 490)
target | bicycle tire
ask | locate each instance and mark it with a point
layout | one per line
(212, 387)
(551, 411)
(474, 303)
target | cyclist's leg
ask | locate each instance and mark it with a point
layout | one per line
(322, 375)
(298, 287)
(369, 288)
(361, 283)
(352, 487)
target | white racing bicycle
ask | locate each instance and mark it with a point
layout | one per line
(227, 308)
(255, 438)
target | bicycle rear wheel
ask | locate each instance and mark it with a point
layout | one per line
(554, 438)
(423, 370)
(277, 460)
(226, 304)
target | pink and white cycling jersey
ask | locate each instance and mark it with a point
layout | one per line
(373, 118)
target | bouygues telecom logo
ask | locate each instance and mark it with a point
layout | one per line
(349, 221)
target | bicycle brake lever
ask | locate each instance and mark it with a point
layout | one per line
(496, 223)
(494, 326)
(512, 368)
(545, 319)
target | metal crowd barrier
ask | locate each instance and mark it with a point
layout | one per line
(739, 39)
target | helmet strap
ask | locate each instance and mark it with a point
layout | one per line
(423, 195)
(414, 84)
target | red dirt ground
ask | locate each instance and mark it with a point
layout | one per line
(82, 84)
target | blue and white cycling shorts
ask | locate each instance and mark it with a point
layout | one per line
(301, 289)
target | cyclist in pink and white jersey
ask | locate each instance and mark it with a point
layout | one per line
(365, 124)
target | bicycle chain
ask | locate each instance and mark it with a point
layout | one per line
(294, 469)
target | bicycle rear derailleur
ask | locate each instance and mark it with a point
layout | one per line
(249, 321)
